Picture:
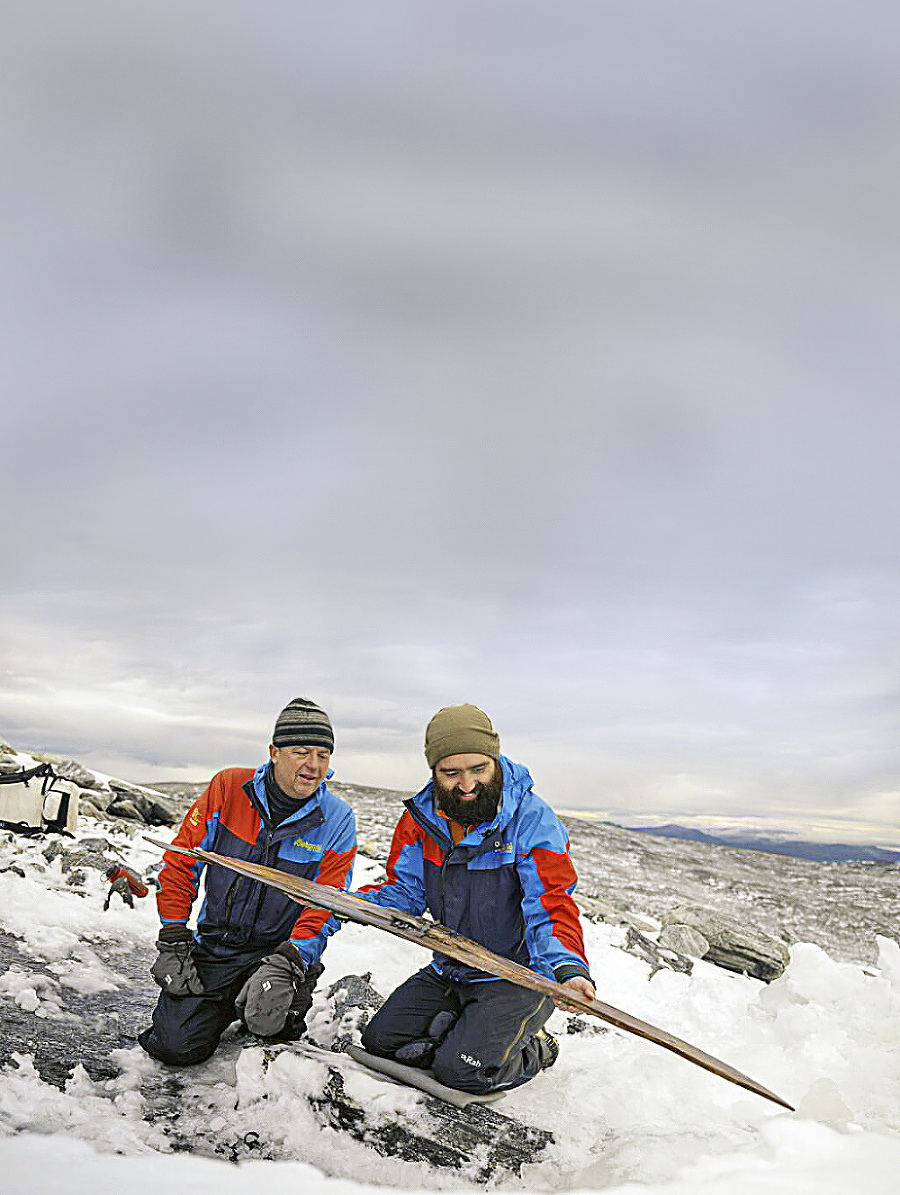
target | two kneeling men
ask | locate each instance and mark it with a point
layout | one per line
(476, 847)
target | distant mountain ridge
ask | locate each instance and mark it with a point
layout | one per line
(794, 848)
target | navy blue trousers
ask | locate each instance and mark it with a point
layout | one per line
(491, 1044)
(187, 1029)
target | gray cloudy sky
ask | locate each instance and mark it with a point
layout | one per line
(538, 355)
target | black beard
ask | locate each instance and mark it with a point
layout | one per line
(477, 810)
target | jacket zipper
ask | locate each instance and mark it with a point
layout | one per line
(267, 846)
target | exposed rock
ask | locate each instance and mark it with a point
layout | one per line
(581, 1027)
(159, 814)
(476, 1140)
(732, 944)
(137, 805)
(180, 794)
(683, 939)
(87, 808)
(599, 910)
(122, 807)
(657, 957)
(90, 852)
(93, 1025)
(70, 770)
(353, 1000)
(98, 797)
(354, 991)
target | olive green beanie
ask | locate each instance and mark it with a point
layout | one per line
(460, 730)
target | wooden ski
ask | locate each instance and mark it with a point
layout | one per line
(435, 936)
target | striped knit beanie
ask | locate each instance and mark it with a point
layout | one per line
(460, 730)
(303, 724)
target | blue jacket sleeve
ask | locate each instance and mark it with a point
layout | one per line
(552, 925)
(404, 887)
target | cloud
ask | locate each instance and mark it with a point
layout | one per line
(471, 353)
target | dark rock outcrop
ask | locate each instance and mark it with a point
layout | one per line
(733, 944)
(138, 805)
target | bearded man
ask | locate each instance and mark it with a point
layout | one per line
(489, 859)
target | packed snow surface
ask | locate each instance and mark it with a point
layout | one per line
(626, 1115)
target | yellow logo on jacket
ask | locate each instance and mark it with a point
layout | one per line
(503, 848)
(310, 846)
(194, 819)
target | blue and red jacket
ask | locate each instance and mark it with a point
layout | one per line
(507, 884)
(241, 915)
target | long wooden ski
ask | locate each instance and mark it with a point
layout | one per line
(435, 936)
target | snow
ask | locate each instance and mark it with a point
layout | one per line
(626, 1115)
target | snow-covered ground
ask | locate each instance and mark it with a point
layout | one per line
(625, 1114)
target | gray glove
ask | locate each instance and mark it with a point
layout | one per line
(174, 968)
(265, 999)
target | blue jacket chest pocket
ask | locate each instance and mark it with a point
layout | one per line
(500, 854)
(300, 852)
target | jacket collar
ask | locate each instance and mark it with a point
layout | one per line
(258, 784)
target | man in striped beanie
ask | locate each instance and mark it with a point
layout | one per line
(252, 957)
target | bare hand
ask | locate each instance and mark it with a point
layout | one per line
(581, 986)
